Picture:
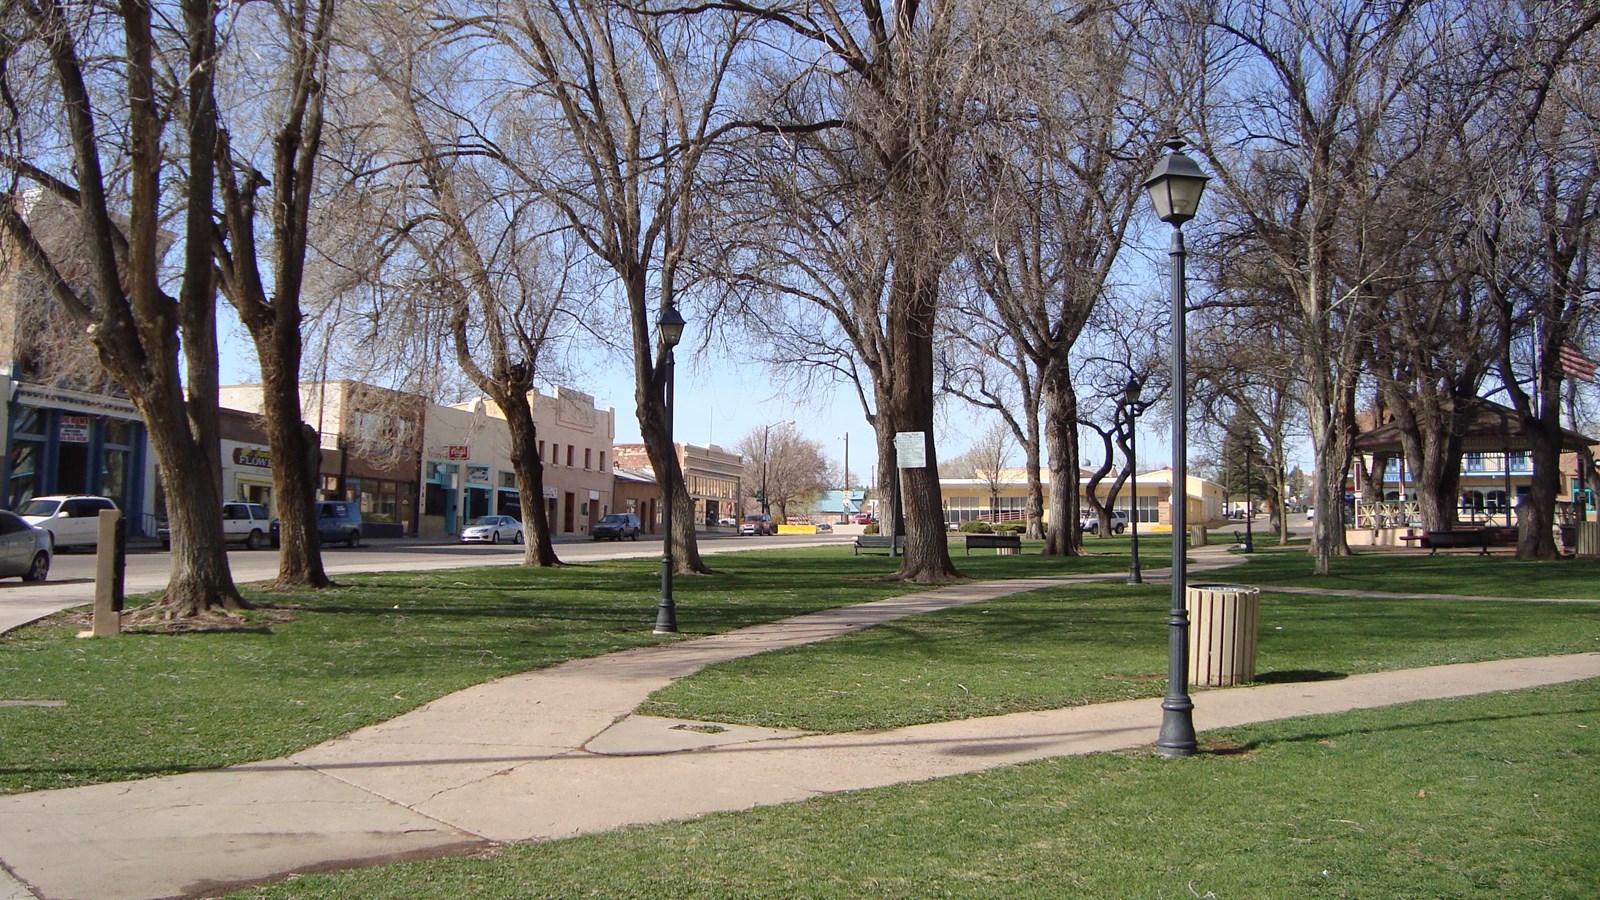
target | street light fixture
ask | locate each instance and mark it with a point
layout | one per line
(669, 327)
(1130, 398)
(766, 430)
(1175, 187)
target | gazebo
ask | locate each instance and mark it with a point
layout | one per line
(1494, 463)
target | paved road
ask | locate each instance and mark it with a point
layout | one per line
(72, 573)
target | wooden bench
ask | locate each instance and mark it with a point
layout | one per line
(893, 544)
(1003, 544)
(1465, 537)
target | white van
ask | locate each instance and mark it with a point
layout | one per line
(71, 521)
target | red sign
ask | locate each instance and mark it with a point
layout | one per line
(75, 429)
(458, 451)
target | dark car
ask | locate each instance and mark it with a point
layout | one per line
(338, 522)
(617, 526)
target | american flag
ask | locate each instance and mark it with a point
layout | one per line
(1575, 365)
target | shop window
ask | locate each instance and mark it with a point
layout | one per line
(508, 480)
(24, 473)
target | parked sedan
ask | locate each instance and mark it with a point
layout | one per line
(492, 530)
(24, 549)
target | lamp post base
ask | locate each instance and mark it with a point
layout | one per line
(666, 618)
(1177, 729)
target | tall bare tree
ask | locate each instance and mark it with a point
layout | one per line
(280, 81)
(467, 236)
(1287, 171)
(624, 105)
(1536, 224)
(113, 79)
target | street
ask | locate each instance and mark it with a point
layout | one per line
(72, 573)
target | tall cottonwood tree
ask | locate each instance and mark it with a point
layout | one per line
(1287, 172)
(878, 103)
(468, 237)
(124, 134)
(1058, 189)
(1536, 223)
(623, 105)
(279, 81)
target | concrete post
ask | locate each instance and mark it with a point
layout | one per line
(111, 558)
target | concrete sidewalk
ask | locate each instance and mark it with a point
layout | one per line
(556, 753)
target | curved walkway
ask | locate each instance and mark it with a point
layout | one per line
(555, 753)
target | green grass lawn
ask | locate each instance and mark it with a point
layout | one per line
(1488, 796)
(319, 665)
(1091, 644)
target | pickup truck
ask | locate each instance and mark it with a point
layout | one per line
(242, 523)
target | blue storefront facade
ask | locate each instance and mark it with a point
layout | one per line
(60, 441)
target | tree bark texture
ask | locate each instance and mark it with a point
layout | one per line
(1061, 438)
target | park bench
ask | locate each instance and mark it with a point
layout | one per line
(1003, 544)
(1462, 537)
(879, 542)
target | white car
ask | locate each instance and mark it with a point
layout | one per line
(24, 549)
(1119, 522)
(492, 530)
(70, 520)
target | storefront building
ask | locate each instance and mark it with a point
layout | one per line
(714, 477)
(59, 441)
(467, 471)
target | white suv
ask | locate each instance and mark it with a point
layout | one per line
(71, 521)
(1119, 522)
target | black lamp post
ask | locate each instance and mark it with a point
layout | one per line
(1175, 187)
(1131, 398)
(669, 326)
(1249, 501)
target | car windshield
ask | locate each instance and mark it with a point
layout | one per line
(614, 520)
(40, 508)
(487, 520)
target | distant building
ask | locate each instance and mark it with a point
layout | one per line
(966, 499)
(467, 469)
(714, 476)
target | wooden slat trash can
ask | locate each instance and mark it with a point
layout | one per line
(1222, 633)
(1589, 538)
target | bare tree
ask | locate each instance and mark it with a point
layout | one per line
(286, 101)
(794, 469)
(1535, 225)
(1058, 190)
(624, 105)
(1287, 170)
(114, 78)
(468, 238)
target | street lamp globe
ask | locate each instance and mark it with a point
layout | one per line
(670, 325)
(1175, 185)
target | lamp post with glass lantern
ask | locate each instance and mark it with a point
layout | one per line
(1130, 398)
(669, 328)
(1175, 187)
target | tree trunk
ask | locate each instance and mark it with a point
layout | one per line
(1536, 513)
(1030, 451)
(912, 305)
(1061, 439)
(663, 454)
(529, 468)
(200, 581)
